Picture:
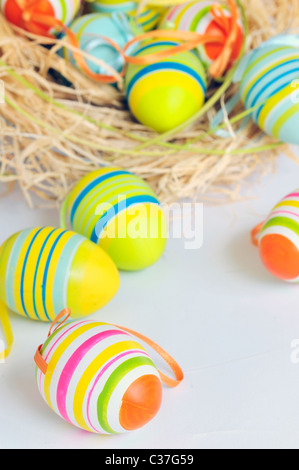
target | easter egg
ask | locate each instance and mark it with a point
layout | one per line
(278, 240)
(269, 78)
(120, 212)
(29, 15)
(196, 17)
(91, 31)
(147, 19)
(167, 93)
(99, 378)
(43, 270)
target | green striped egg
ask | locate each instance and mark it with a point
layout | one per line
(271, 78)
(167, 93)
(44, 270)
(118, 211)
(147, 19)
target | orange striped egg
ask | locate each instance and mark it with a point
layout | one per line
(99, 378)
(279, 239)
(33, 15)
(43, 270)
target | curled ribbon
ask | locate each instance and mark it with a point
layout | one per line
(38, 23)
(170, 382)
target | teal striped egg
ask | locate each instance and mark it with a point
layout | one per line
(91, 31)
(120, 212)
(270, 78)
(167, 93)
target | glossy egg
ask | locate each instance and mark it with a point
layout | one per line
(147, 19)
(99, 378)
(165, 94)
(16, 12)
(91, 31)
(43, 270)
(279, 239)
(270, 78)
(197, 17)
(119, 211)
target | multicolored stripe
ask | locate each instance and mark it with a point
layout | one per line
(271, 79)
(195, 17)
(168, 91)
(91, 366)
(42, 271)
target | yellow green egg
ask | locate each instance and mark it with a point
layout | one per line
(44, 270)
(147, 19)
(120, 212)
(165, 94)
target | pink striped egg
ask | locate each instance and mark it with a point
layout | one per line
(99, 378)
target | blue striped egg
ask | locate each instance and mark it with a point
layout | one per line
(270, 77)
(167, 93)
(120, 212)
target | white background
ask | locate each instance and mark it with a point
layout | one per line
(227, 321)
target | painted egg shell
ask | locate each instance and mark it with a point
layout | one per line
(99, 379)
(121, 213)
(279, 239)
(270, 79)
(165, 94)
(147, 19)
(196, 17)
(43, 270)
(63, 10)
(89, 30)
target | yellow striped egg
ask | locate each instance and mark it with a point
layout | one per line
(99, 378)
(44, 270)
(120, 212)
(269, 83)
(20, 13)
(147, 19)
(167, 93)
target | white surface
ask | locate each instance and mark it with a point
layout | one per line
(216, 310)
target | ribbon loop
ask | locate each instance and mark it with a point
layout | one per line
(170, 382)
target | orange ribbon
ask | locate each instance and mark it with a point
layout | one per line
(255, 233)
(191, 40)
(170, 382)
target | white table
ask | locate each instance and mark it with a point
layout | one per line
(216, 310)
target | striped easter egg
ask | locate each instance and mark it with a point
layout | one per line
(270, 78)
(279, 239)
(120, 212)
(196, 17)
(44, 270)
(147, 19)
(167, 93)
(90, 31)
(99, 378)
(15, 12)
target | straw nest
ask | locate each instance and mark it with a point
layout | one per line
(52, 134)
